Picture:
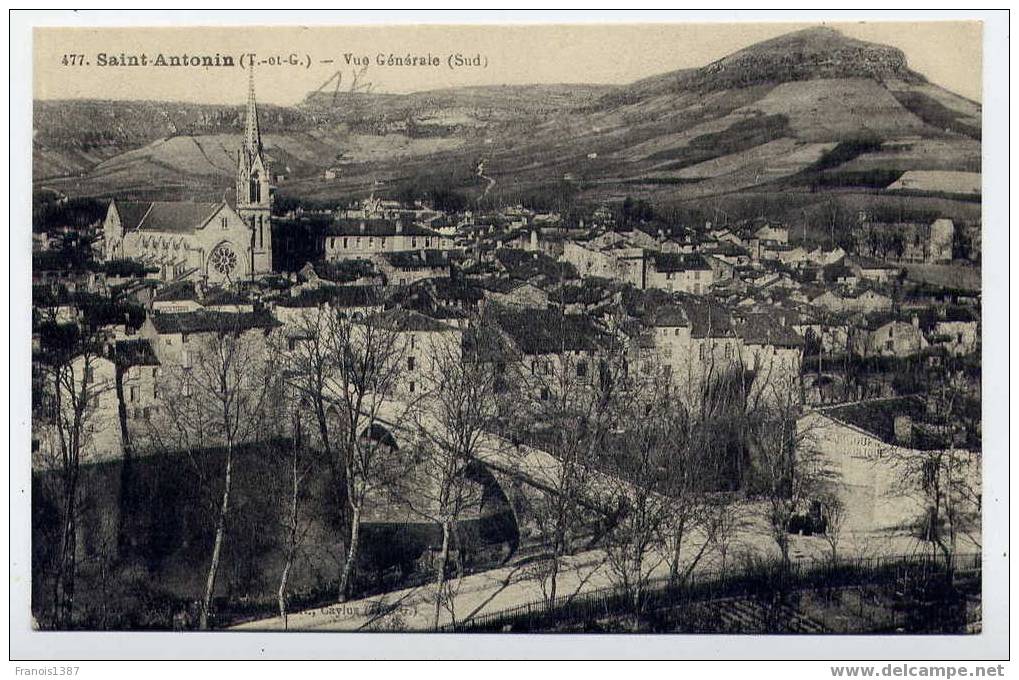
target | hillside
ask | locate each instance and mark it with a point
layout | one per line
(811, 112)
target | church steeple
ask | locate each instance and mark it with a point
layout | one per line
(252, 135)
(252, 168)
(254, 191)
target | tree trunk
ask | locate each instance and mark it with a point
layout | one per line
(63, 600)
(553, 578)
(217, 548)
(348, 565)
(126, 470)
(67, 565)
(674, 567)
(440, 572)
(281, 596)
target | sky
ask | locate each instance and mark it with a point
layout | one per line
(947, 53)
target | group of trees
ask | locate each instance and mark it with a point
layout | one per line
(659, 479)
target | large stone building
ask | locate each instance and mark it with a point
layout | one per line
(213, 242)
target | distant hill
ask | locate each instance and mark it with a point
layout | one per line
(805, 113)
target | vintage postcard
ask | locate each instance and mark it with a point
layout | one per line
(658, 328)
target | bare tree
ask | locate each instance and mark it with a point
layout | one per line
(833, 515)
(700, 466)
(75, 389)
(640, 444)
(568, 402)
(944, 476)
(347, 367)
(298, 464)
(724, 519)
(369, 356)
(788, 471)
(452, 422)
(217, 400)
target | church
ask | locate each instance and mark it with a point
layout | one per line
(215, 242)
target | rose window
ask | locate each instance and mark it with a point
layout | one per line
(223, 259)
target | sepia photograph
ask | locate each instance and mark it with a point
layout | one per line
(635, 329)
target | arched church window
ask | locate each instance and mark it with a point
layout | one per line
(223, 259)
(254, 189)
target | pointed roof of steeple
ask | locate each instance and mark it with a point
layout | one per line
(252, 136)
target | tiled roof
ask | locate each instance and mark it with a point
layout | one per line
(670, 315)
(134, 353)
(676, 262)
(131, 213)
(524, 264)
(166, 216)
(406, 320)
(546, 331)
(763, 329)
(204, 321)
(176, 291)
(486, 343)
(221, 297)
(707, 319)
(417, 259)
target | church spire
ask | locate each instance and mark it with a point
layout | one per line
(252, 136)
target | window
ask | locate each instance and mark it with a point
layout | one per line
(137, 413)
(146, 412)
(223, 223)
(410, 363)
(184, 338)
(411, 387)
(134, 393)
(412, 342)
(544, 394)
(581, 369)
(344, 241)
(155, 391)
(413, 242)
(89, 375)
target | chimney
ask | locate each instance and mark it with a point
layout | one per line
(399, 226)
(362, 226)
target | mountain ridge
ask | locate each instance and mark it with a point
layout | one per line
(772, 114)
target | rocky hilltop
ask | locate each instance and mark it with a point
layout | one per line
(808, 112)
(805, 55)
